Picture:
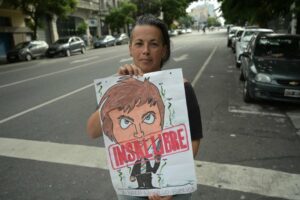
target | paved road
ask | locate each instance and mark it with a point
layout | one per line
(249, 151)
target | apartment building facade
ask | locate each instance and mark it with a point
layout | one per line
(13, 29)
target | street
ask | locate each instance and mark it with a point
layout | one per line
(249, 151)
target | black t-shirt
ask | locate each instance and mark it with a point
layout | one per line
(193, 112)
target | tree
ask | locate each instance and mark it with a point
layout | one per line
(258, 12)
(82, 27)
(37, 9)
(186, 21)
(148, 7)
(121, 16)
(172, 9)
(212, 21)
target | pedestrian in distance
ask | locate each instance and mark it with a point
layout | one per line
(150, 49)
(204, 29)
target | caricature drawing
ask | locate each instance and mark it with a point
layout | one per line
(132, 110)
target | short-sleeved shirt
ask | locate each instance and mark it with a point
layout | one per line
(193, 112)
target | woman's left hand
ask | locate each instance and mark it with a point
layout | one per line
(157, 197)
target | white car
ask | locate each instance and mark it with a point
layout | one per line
(242, 42)
(231, 34)
(236, 37)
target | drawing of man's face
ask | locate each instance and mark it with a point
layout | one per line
(137, 124)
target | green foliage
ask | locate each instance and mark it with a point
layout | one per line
(82, 27)
(147, 7)
(37, 9)
(173, 10)
(186, 21)
(212, 21)
(121, 16)
(255, 11)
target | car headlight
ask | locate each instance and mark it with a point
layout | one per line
(263, 78)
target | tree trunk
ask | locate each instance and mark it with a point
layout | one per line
(35, 27)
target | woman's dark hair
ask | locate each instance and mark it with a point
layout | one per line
(154, 21)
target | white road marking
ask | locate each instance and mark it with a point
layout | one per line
(58, 72)
(251, 111)
(71, 154)
(21, 69)
(125, 60)
(43, 104)
(84, 60)
(204, 66)
(265, 182)
(181, 58)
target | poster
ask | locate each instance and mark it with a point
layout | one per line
(146, 133)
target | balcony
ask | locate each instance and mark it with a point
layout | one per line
(88, 5)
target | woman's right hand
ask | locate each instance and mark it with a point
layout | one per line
(130, 69)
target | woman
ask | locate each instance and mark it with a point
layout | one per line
(150, 49)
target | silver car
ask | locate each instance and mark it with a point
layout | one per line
(242, 42)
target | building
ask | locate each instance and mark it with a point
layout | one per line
(201, 13)
(13, 29)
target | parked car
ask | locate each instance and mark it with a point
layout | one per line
(65, 46)
(122, 39)
(236, 37)
(242, 42)
(173, 33)
(231, 34)
(27, 51)
(270, 68)
(105, 41)
(189, 30)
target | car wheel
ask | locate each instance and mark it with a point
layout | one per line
(246, 94)
(28, 57)
(228, 43)
(82, 50)
(67, 53)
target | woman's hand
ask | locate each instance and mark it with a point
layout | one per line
(130, 69)
(157, 197)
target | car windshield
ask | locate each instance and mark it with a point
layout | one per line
(22, 45)
(62, 41)
(232, 32)
(248, 35)
(278, 47)
(117, 36)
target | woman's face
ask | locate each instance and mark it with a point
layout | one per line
(147, 48)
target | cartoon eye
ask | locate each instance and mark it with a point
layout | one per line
(124, 123)
(149, 118)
